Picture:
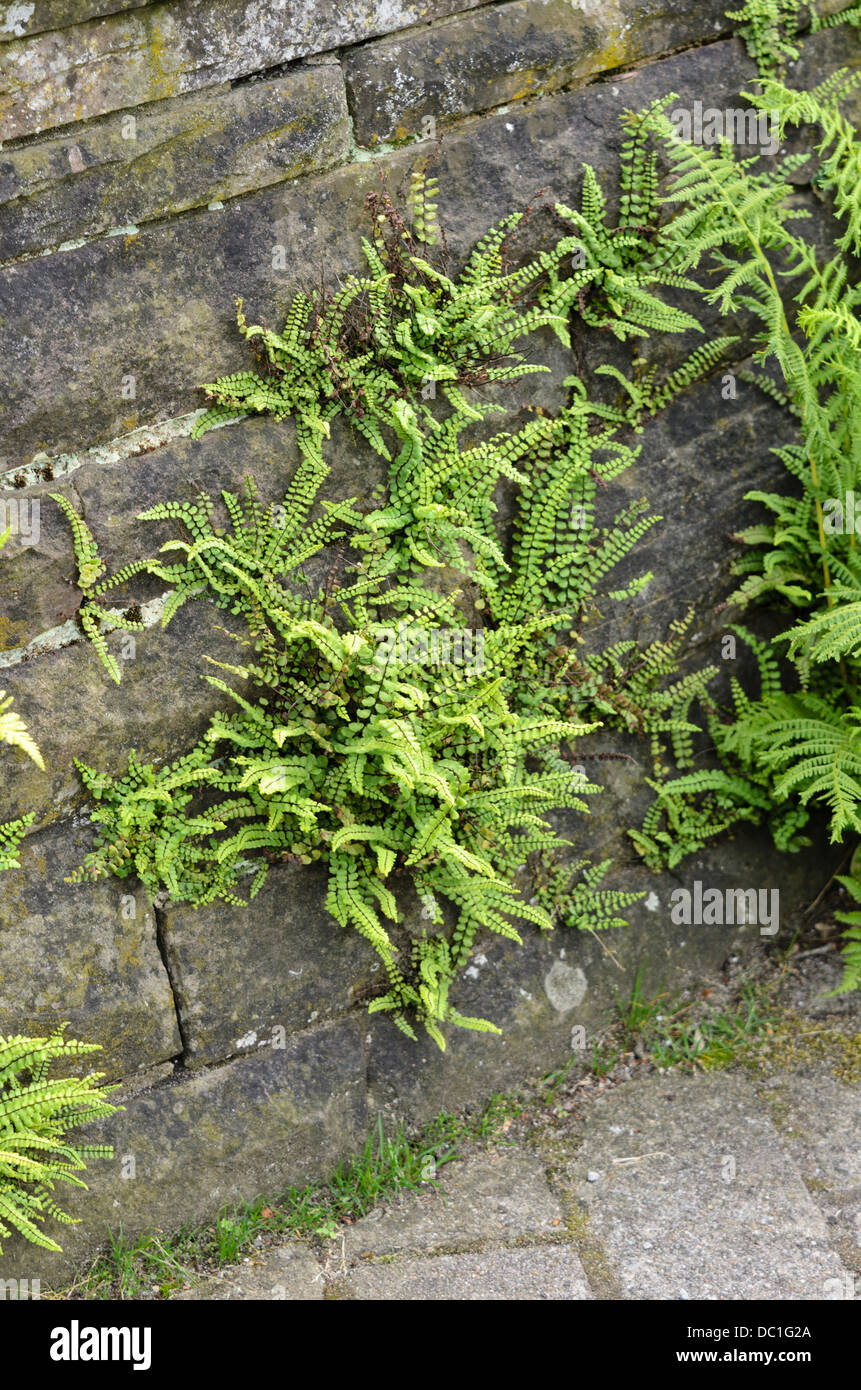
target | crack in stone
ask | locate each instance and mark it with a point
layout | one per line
(180, 1062)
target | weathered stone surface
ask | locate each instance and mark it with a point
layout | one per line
(221, 459)
(158, 305)
(819, 1119)
(171, 156)
(810, 990)
(21, 17)
(494, 1197)
(163, 50)
(194, 1145)
(37, 566)
(288, 1273)
(400, 87)
(154, 308)
(823, 53)
(73, 709)
(246, 976)
(689, 550)
(822, 8)
(694, 1196)
(82, 953)
(521, 1275)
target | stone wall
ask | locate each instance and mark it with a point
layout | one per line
(157, 160)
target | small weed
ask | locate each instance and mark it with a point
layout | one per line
(151, 1264)
(637, 1014)
(230, 1233)
(383, 1169)
(715, 1040)
(553, 1082)
(605, 1056)
(499, 1108)
(676, 1033)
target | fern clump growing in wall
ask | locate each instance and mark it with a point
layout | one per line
(36, 1111)
(349, 739)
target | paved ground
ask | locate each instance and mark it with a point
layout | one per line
(668, 1186)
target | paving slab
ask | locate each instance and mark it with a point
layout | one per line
(289, 1272)
(527, 1275)
(497, 1197)
(693, 1194)
(693, 1188)
(819, 1118)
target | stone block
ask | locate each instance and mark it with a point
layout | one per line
(170, 156)
(85, 954)
(247, 976)
(406, 86)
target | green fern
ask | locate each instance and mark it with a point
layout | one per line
(796, 745)
(851, 937)
(14, 731)
(767, 28)
(571, 896)
(36, 1112)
